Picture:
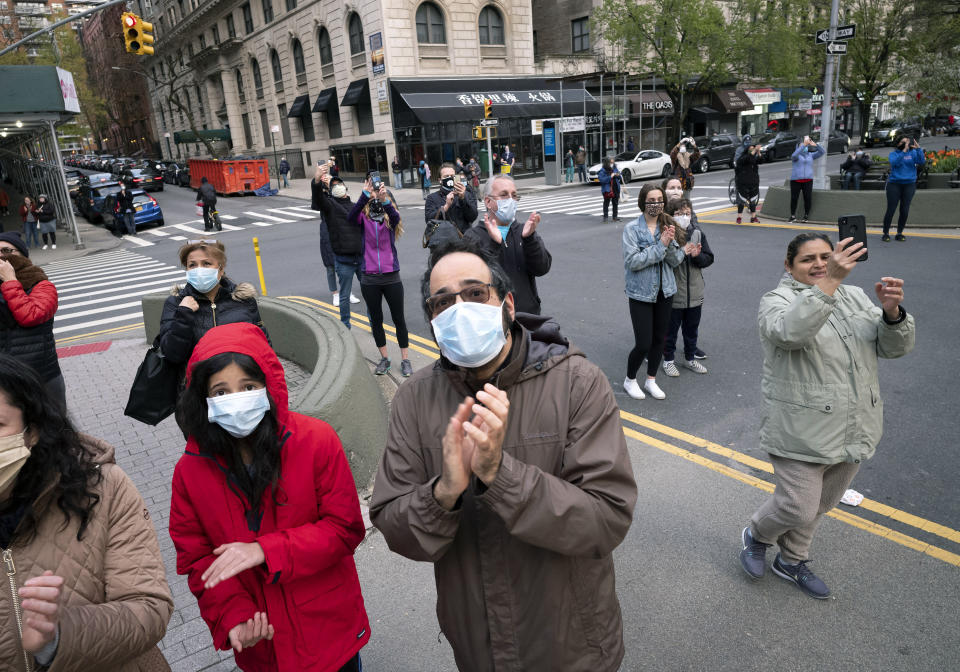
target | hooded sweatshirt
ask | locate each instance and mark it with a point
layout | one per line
(308, 584)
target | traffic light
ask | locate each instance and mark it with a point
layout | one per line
(137, 34)
(478, 132)
(487, 108)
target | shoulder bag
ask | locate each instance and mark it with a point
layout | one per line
(153, 395)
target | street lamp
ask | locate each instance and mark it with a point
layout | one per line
(276, 165)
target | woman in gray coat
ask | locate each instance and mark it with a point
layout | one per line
(823, 412)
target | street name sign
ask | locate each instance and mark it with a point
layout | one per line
(843, 33)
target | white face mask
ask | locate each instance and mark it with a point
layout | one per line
(13, 455)
(470, 334)
(674, 192)
(682, 220)
(338, 191)
(239, 413)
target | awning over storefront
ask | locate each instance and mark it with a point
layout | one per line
(431, 101)
(357, 92)
(300, 107)
(703, 112)
(651, 102)
(734, 101)
(763, 96)
(326, 99)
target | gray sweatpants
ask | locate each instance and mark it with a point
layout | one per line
(804, 492)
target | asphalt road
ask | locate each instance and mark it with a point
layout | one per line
(915, 467)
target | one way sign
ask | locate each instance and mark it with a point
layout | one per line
(836, 47)
(843, 33)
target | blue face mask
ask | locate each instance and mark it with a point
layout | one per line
(504, 230)
(470, 334)
(203, 279)
(506, 210)
(239, 413)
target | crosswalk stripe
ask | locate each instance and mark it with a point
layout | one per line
(97, 311)
(96, 323)
(84, 261)
(178, 237)
(229, 217)
(190, 229)
(263, 223)
(305, 208)
(301, 215)
(137, 241)
(68, 289)
(143, 286)
(263, 216)
(102, 269)
(156, 232)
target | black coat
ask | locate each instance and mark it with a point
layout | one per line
(345, 240)
(463, 212)
(124, 201)
(181, 328)
(34, 346)
(46, 212)
(207, 194)
(860, 164)
(524, 260)
(747, 170)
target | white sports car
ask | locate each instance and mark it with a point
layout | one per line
(638, 165)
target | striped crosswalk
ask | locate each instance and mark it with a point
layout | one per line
(194, 228)
(103, 291)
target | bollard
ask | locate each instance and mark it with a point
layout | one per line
(256, 252)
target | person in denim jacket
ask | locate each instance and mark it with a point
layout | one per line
(648, 242)
(801, 176)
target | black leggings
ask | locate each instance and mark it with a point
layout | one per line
(650, 321)
(606, 206)
(52, 238)
(795, 189)
(898, 194)
(393, 293)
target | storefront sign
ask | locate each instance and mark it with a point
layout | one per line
(777, 115)
(71, 103)
(763, 96)
(536, 127)
(384, 107)
(653, 106)
(382, 90)
(515, 98)
(801, 105)
(572, 124)
(376, 54)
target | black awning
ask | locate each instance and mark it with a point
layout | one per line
(300, 107)
(733, 100)
(326, 100)
(462, 100)
(703, 112)
(356, 93)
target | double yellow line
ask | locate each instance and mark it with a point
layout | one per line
(632, 423)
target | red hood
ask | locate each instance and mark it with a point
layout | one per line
(246, 339)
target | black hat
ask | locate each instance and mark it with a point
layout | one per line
(14, 239)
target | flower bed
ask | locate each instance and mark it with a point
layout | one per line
(944, 161)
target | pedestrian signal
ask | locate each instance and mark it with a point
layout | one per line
(487, 108)
(137, 34)
(478, 132)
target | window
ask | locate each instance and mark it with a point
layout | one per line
(356, 35)
(240, 91)
(284, 123)
(306, 125)
(491, 26)
(291, 5)
(277, 72)
(581, 34)
(298, 64)
(231, 28)
(267, 11)
(265, 127)
(247, 18)
(203, 41)
(216, 34)
(257, 80)
(247, 137)
(189, 51)
(430, 24)
(326, 53)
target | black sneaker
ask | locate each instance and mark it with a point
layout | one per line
(885, 238)
(793, 218)
(699, 354)
(406, 368)
(753, 556)
(804, 220)
(900, 237)
(801, 575)
(382, 367)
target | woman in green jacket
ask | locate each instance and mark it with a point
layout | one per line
(824, 415)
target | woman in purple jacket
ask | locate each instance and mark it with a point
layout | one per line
(380, 270)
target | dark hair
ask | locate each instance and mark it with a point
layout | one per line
(203, 179)
(663, 219)
(58, 455)
(666, 181)
(263, 442)
(499, 278)
(676, 204)
(794, 247)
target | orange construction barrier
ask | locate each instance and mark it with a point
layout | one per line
(232, 176)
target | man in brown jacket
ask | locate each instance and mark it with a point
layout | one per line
(508, 471)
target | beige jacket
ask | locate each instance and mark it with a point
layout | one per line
(524, 572)
(116, 602)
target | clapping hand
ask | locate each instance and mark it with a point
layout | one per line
(692, 249)
(40, 601)
(530, 226)
(490, 223)
(248, 634)
(890, 294)
(667, 235)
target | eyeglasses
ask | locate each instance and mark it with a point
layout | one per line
(438, 303)
(8, 250)
(203, 240)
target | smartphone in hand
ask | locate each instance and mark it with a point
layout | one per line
(854, 226)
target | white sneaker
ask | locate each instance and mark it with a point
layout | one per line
(353, 299)
(336, 298)
(695, 366)
(54, 246)
(44, 247)
(630, 385)
(653, 389)
(670, 368)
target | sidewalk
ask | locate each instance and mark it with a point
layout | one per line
(687, 604)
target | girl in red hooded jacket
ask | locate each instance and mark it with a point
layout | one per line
(264, 514)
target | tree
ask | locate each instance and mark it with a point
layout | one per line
(176, 78)
(932, 75)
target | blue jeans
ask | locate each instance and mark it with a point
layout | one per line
(285, 183)
(898, 194)
(32, 232)
(582, 172)
(398, 180)
(332, 278)
(347, 267)
(849, 177)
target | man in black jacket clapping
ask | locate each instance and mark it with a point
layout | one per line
(329, 196)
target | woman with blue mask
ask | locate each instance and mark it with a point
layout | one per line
(207, 299)
(264, 514)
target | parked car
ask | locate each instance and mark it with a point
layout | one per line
(889, 132)
(839, 142)
(90, 199)
(74, 179)
(716, 150)
(144, 178)
(146, 211)
(177, 173)
(632, 165)
(780, 145)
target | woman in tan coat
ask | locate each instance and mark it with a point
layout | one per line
(85, 585)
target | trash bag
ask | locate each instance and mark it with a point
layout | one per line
(265, 190)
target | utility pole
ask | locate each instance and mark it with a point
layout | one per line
(820, 176)
(486, 131)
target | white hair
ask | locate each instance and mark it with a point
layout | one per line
(488, 186)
